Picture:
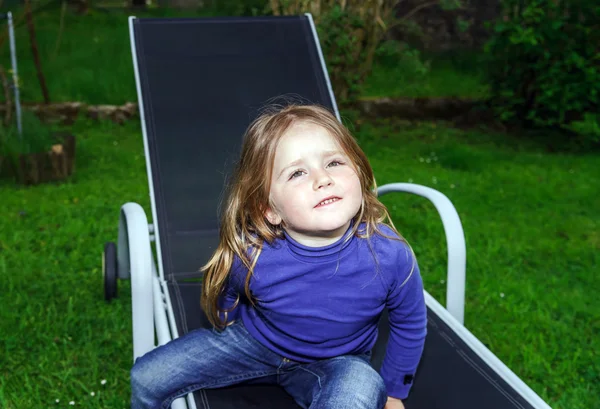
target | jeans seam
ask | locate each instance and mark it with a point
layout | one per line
(221, 382)
(311, 372)
(279, 370)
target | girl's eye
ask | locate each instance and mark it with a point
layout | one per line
(296, 174)
(335, 163)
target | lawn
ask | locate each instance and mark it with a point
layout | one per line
(531, 219)
(457, 74)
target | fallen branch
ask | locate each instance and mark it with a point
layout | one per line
(435, 108)
(67, 112)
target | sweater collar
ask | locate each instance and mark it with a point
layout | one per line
(321, 254)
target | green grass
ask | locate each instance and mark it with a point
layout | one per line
(531, 221)
(59, 338)
(458, 75)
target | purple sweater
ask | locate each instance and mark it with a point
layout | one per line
(318, 303)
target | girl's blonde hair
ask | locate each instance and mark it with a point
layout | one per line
(244, 226)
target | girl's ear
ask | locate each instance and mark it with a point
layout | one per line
(272, 216)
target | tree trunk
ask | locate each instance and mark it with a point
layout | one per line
(6, 87)
(34, 51)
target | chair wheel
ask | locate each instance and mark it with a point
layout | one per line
(109, 270)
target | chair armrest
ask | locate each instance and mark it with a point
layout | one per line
(455, 239)
(135, 261)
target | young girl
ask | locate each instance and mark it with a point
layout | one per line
(303, 270)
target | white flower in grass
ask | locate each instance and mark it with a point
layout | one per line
(57, 400)
(103, 381)
(92, 393)
(71, 403)
(501, 295)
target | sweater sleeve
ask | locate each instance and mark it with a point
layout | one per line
(408, 326)
(231, 291)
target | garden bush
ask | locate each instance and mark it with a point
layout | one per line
(544, 64)
(353, 34)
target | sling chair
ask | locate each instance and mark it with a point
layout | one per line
(200, 82)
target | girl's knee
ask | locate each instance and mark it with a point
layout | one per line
(154, 370)
(145, 386)
(149, 388)
(363, 385)
(372, 388)
(141, 376)
(146, 377)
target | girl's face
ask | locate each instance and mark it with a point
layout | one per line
(315, 190)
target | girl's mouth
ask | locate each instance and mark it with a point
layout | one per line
(328, 201)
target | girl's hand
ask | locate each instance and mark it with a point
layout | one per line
(393, 403)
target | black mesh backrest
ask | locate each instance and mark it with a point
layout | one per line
(202, 82)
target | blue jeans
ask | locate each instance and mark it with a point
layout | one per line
(206, 359)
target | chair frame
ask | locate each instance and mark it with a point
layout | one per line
(153, 319)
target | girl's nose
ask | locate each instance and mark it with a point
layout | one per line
(322, 179)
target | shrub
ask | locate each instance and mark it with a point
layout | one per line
(35, 137)
(588, 127)
(352, 34)
(239, 8)
(544, 64)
